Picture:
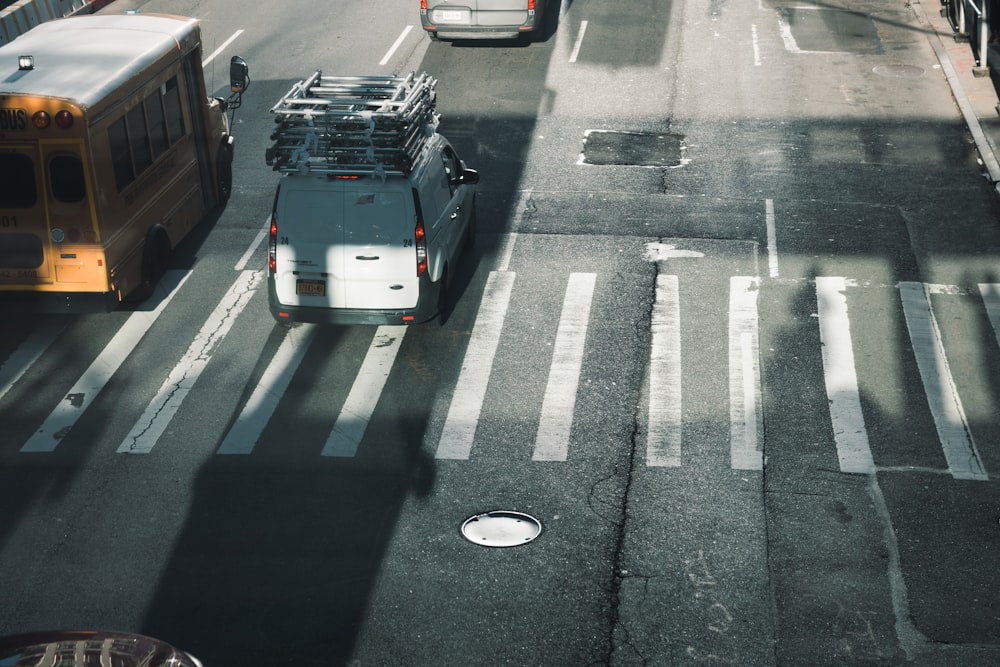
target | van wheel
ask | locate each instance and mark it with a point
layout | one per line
(224, 173)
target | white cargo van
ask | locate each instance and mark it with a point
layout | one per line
(481, 19)
(374, 208)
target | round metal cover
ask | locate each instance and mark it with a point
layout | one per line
(899, 71)
(501, 528)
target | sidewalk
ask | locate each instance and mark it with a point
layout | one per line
(976, 95)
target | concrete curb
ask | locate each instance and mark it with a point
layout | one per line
(982, 105)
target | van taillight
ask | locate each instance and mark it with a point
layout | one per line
(423, 5)
(531, 5)
(420, 241)
(272, 245)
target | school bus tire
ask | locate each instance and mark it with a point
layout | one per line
(224, 173)
(154, 262)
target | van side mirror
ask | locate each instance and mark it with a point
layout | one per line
(469, 177)
(239, 75)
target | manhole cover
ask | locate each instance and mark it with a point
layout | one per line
(638, 149)
(899, 71)
(501, 529)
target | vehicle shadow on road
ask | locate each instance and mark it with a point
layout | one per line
(279, 554)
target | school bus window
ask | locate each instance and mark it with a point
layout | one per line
(21, 251)
(138, 138)
(66, 177)
(175, 117)
(157, 124)
(120, 155)
(17, 187)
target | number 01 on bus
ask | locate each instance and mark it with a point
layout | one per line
(110, 153)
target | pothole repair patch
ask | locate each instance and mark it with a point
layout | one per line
(637, 149)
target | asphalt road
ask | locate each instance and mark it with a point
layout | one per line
(762, 234)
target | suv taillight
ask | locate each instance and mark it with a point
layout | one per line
(272, 245)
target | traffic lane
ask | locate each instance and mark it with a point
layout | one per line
(488, 96)
(695, 581)
(442, 599)
(948, 541)
(362, 497)
(596, 519)
(546, 600)
(275, 563)
(695, 578)
(282, 541)
(829, 556)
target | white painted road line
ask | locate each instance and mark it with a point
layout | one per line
(243, 435)
(28, 352)
(395, 45)
(182, 378)
(579, 42)
(663, 434)
(360, 404)
(96, 377)
(556, 421)
(839, 372)
(219, 50)
(746, 420)
(756, 46)
(470, 390)
(772, 238)
(942, 395)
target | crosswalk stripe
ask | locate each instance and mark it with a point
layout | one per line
(360, 404)
(841, 377)
(942, 396)
(746, 420)
(663, 433)
(242, 437)
(154, 420)
(665, 420)
(94, 379)
(556, 421)
(470, 390)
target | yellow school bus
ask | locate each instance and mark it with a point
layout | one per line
(110, 153)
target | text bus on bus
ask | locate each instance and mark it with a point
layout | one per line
(110, 153)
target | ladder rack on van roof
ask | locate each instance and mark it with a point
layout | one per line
(353, 124)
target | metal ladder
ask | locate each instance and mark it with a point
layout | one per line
(375, 125)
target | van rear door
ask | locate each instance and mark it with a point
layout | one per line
(500, 12)
(380, 265)
(309, 249)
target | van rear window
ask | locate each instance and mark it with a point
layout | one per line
(376, 216)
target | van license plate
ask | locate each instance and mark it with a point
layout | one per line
(310, 287)
(450, 16)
